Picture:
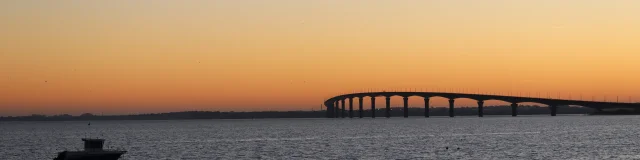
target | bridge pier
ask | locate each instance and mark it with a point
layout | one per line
(406, 106)
(554, 109)
(373, 107)
(343, 113)
(514, 109)
(336, 109)
(351, 107)
(480, 108)
(360, 111)
(451, 104)
(329, 110)
(426, 107)
(388, 109)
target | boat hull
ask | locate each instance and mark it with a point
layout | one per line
(90, 155)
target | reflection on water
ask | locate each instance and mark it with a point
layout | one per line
(532, 137)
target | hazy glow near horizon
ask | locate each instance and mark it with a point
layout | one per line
(122, 56)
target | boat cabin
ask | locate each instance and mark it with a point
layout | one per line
(93, 144)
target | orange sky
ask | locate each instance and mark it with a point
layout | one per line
(116, 57)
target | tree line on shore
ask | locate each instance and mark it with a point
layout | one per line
(380, 112)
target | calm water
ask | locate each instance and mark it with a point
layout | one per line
(532, 137)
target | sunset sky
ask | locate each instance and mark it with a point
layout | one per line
(149, 56)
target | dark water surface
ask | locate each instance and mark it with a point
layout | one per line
(524, 137)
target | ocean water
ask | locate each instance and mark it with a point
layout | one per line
(503, 137)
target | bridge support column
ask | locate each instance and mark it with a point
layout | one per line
(351, 107)
(406, 106)
(360, 111)
(480, 108)
(373, 107)
(554, 109)
(388, 111)
(343, 113)
(514, 109)
(426, 107)
(451, 104)
(336, 109)
(329, 111)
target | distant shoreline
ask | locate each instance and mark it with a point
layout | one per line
(396, 112)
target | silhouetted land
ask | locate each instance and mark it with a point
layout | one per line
(396, 112)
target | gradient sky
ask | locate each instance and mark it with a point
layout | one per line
(122, 56)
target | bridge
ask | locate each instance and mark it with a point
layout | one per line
(333, 104)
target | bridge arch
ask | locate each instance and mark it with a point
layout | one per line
(498, 100)
(465, 105)
(415, 96)
(437, 96)
(372, 104)
(533, 103)
(465, 98)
